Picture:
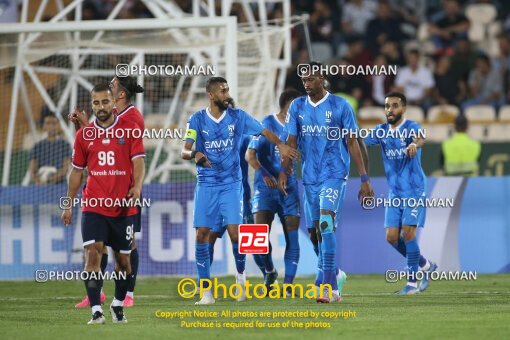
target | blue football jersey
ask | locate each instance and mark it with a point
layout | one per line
(320, 128)
(220, 140)
(267, 153)
(404, 174)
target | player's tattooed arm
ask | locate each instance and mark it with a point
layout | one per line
(412, 149)
(251, 158)
(75, 179)
(286, 151)
(187, 153)
(355, 151)
(286, 165)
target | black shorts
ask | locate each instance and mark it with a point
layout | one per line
(116, 232)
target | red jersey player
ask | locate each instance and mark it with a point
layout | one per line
(116, 170)
(123, 90)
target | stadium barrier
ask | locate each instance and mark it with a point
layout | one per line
(32, 236)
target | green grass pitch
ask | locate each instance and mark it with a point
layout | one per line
(462, 309)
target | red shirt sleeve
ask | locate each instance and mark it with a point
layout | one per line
(137, 149)
(79, 157)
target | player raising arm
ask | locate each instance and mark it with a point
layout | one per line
(218, 131)
(320, 121)
(123, 90)
(116, 171)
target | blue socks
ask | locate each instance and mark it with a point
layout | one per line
(400, 246)
(260, 263)
(240, 258)
(211, 253)
(328, 248)
(291, 257)
(203, 262)
(413, 259)
(268, 260)
(320, 268)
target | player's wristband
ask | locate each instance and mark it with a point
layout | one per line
(263, 171)
(364, 178)
(201, 161)
(193, 153)
(283, 169)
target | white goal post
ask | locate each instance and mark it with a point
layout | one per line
(195, 38)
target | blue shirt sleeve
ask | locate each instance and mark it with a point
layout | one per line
(254, 143)
(191, 129)
(251, 125)
(291, 122)
(348, 119)
(371, 138)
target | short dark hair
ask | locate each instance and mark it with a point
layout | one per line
(287, 96)
(129, 86)
(101, 88)
(211, 82)
(414, 51)
(400, 95)
(461, 123)
(485, 58)
(316, 63)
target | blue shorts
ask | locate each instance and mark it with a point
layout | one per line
(328, 195)
(273, 200)
(219, 227)
(403, 214)
(116, 232)
(213, 203)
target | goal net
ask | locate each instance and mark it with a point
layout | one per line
(47, 70)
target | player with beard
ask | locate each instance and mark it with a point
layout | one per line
(407, 182)
(317, 123)
(218, 131)
(123, 89)
(116, 169)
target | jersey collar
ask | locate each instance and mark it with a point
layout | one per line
(125, 110)
(319, 102)
(275, 115)
(115, 120)
(399, 125)
(214, 119)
